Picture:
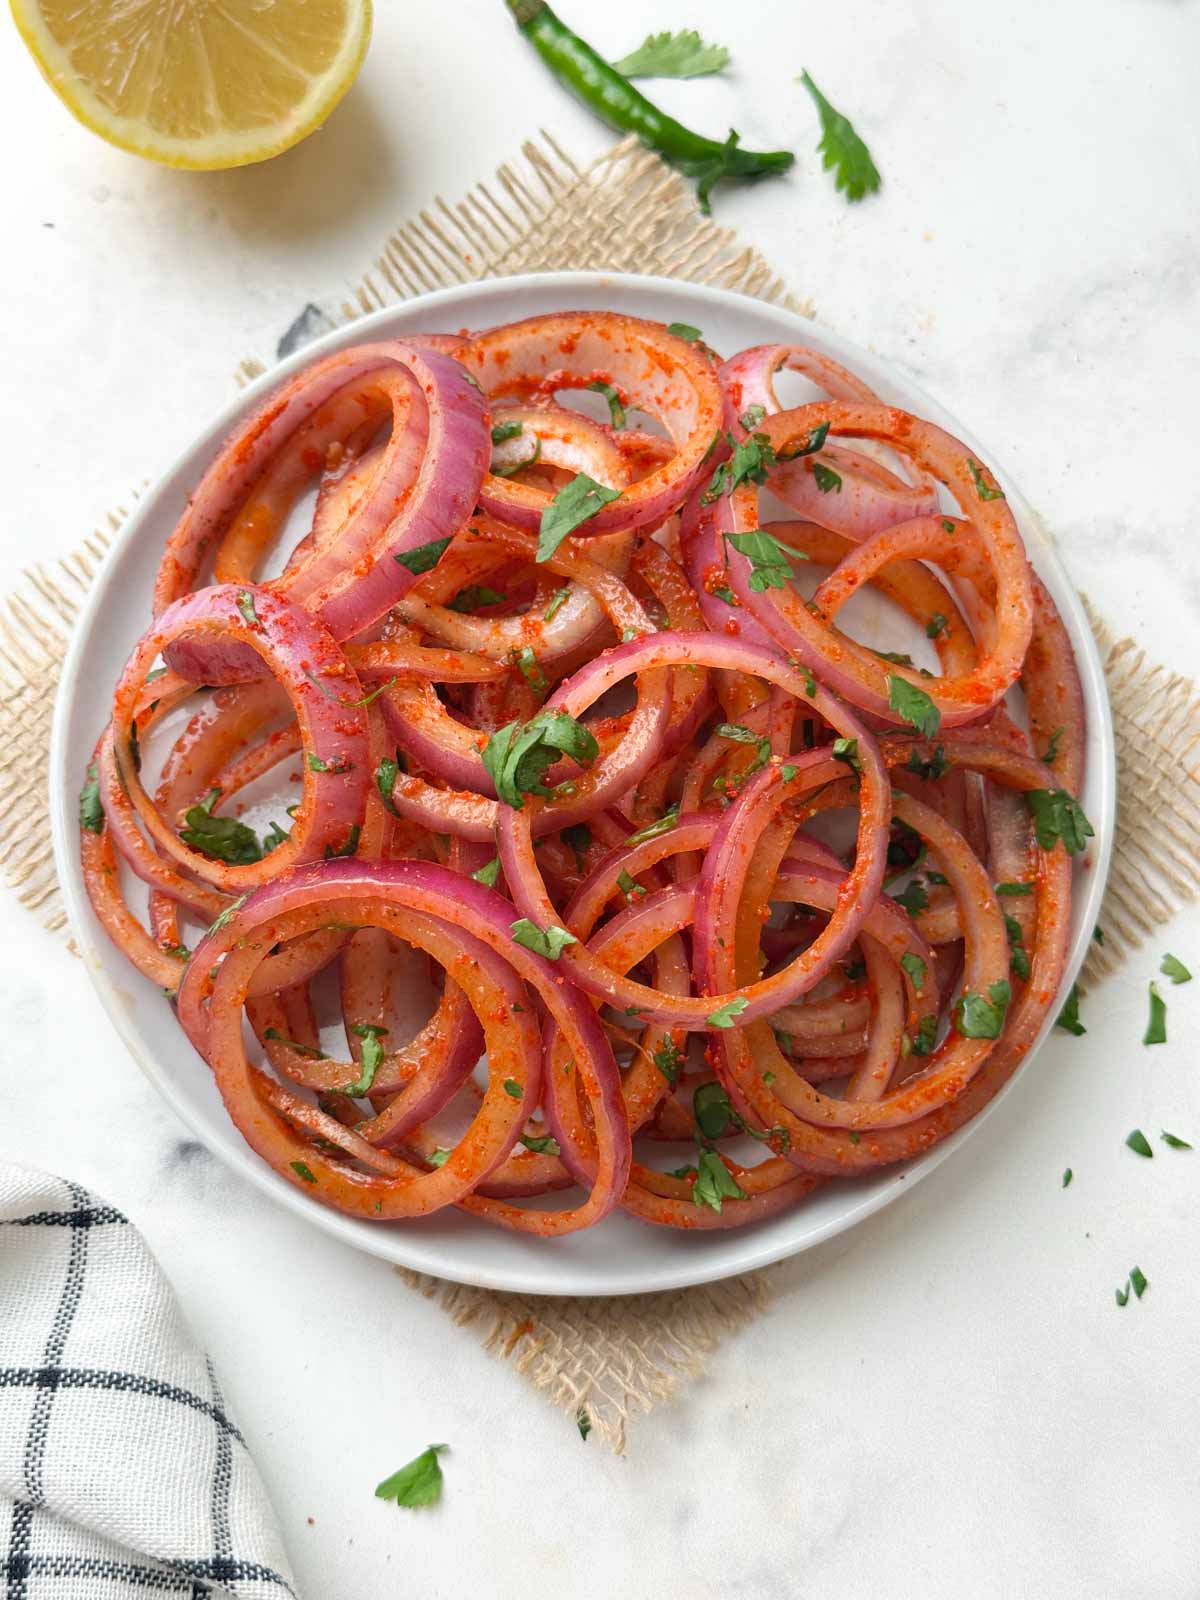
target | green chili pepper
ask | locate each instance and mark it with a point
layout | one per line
(625, 108)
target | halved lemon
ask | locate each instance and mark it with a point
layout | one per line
(198, 83)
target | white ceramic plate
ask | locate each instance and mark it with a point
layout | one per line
(621, 1256)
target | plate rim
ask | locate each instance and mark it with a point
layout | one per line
(761, 1247)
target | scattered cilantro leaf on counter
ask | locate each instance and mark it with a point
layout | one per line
(844, 152)
(419, 1483)
(1174, 969)
(673, 55)
(1156, 1027)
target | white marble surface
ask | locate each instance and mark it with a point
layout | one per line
(947, 1402)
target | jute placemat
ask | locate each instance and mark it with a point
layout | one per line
(614, 1358)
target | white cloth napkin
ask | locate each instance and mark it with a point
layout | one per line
(121, 1471)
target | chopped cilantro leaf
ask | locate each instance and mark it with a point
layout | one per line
(983, 488)
(653, 829)
(983, 1019)
(423, 557)
(371, 1058)
(673, 55)
(558, 599)
(1058, 815)
(1156, 1027)
(930, 770)
(550, 942)
(573, 505)
(723, 1016)
(914, 705)
(843, 151)
(616, 410)
(712, 1110)
(476, 595)
(531, 670)
(915, 967)
(518, 756)
(220, 838)
(419, 1483)
(714, 1182)
(847, 750)
(770, 566)
(1068, 1017)
(91, 812)
(668, 1060)
(541, 1145)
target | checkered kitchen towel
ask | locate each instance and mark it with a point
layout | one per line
(121, 1472)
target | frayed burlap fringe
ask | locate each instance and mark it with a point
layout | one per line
(1156, 852)
(612, 1358)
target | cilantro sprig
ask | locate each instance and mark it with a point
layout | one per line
(1058, 815)
(519, 755)
(914, 705)
(549, 942)
(572, 506)
(219, 838)
(844, 152)
(770, 561)
(673, 55)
